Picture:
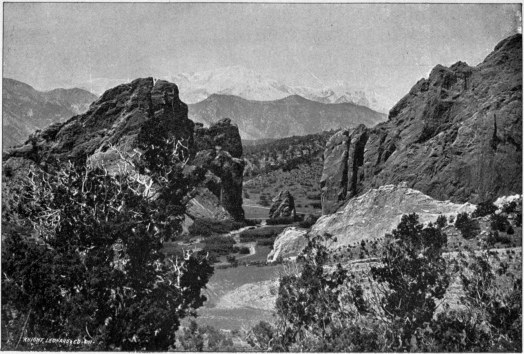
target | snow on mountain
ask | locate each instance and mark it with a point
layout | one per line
(248, 84)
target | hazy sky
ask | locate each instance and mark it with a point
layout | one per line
(384, 46)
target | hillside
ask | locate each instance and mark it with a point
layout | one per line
(293, 115)
(293, 164)
(456, 135)
(25, 109)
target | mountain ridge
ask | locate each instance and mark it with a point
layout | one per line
(25, 109)
(292, 115)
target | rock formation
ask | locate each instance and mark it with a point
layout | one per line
(378, 211)
(456, 135)
(219, 150)
(283, 206)
(137, 113)
(288, 244)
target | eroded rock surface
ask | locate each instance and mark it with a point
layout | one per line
(379, 211)
(283, 206)
(456, 135)
(288, 244)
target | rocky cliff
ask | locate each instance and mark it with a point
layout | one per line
(456, 135)
(133, 114)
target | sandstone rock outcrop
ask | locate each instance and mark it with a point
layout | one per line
(288, 244)
(135, 113)
(456, 135)
(219, 150)
(378, 211)
(283, 206)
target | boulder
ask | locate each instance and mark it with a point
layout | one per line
(288, 244)
(283, 206)
(379, 211)
(456, 135)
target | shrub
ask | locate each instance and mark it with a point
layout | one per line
(499, 222)
(441, 221)
(218, 246)
(209, 227)
(99, 268)
(280, 221)
(315, 303)
(414, 273)
(232, 260)
(261, 336)
(309, 221)
(316, 205)
(242, 250)
(468, 228)
(483, 209)
(494, 237)
(510, 207)
(518, 219)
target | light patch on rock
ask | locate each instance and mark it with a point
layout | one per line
(500, 202)
(379, 211)
(260, 295)
(288, 244)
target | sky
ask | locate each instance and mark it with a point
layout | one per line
(387, 47)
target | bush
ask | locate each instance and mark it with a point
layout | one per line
(499, 222)
(316, 205)
(260, 233)
(518, 220)
(261, 336)
(309, 221)
(494, 237)
(217, 246)
(99, 269)
(242, 250)
(266, 242)
(441, 221)
(483, 209)
(415, 274)
(315, 303)
(280, 221)
(209, 227)
(510, 207)
(468, 228)
(232, 260)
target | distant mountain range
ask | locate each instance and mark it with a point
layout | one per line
(293, 115)
(25, 109)
(250, 85)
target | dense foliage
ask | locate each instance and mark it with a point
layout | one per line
(399, 304)
(92, 268)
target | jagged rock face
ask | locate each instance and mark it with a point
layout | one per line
(456, 135)
(379, 211)
(288, 244)
(128, 115)
(220, 149)
(116, 119)
(283, 206)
